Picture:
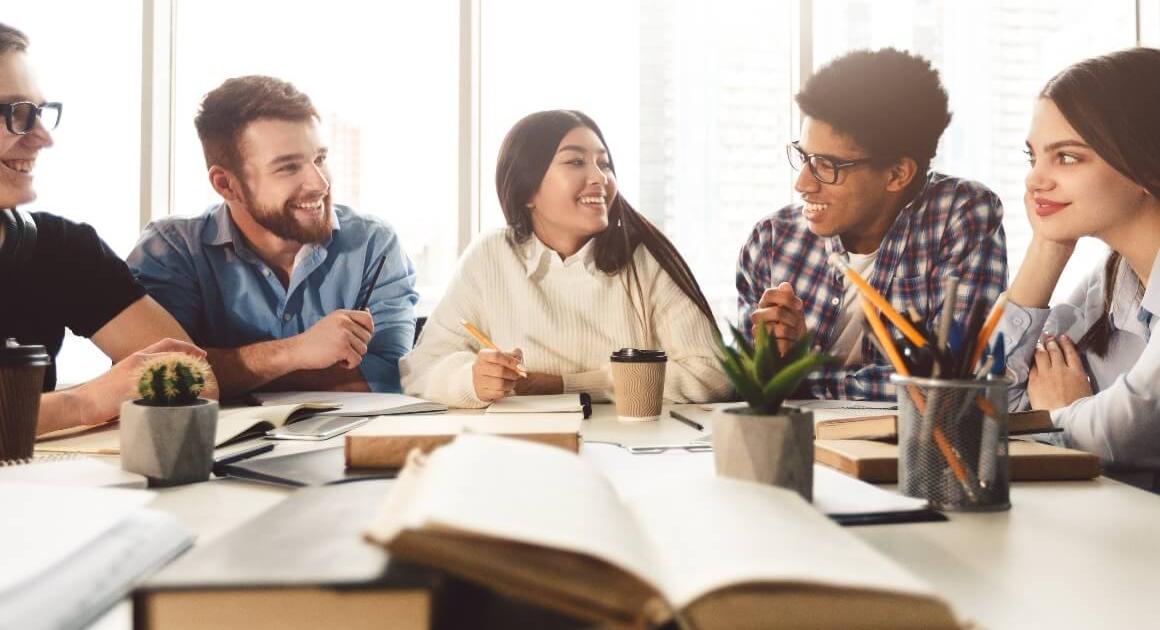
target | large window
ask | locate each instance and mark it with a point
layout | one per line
(994, 57)
(695, 99)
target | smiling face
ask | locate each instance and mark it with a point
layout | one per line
(1071, 190)
(285, 179)
(572, 202)
(18, 152)
(860, 207)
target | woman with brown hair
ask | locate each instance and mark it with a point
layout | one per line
(576, 275)
(1094, 149)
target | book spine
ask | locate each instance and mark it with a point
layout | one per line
(390, 451)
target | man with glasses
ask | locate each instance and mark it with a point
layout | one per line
(286, 290)
(56, 274)
(871, 123)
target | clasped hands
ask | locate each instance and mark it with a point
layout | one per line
(1058, 377)
(782, 313)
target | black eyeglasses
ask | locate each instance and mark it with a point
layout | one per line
(21, 117)
(824, 168)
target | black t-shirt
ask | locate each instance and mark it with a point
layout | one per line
(73, 279)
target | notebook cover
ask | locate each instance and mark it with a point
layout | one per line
(318, 467)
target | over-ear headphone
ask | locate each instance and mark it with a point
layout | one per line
(19, 238)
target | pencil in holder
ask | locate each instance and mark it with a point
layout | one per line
(952, 442)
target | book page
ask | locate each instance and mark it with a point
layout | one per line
(234, 421)
(549, 403)
(719, 532)
(520, 491)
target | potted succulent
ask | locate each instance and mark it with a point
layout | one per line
(167, 434)
(761, 441)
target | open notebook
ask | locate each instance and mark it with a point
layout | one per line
(715, 553)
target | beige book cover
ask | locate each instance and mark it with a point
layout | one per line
(877, 462)
(870, 425)
(385, 441)
(545, 526)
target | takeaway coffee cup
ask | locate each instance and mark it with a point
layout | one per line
(21, 379)
(638, 383)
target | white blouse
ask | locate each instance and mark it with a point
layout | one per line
(1121, 421)
(567, 316)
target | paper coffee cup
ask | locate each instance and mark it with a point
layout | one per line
(638, 383)
(21, 381)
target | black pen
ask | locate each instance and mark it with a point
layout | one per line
(365, 292)
(686, 419)
(237, 456)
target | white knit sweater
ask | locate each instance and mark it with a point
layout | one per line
(567, 316)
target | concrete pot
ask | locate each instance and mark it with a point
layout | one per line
(777, 450)
(169, 445)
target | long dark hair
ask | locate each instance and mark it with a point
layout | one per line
(524, 158)
(1111, 103)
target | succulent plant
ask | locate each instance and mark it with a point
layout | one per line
(171, 379)
(761, 374)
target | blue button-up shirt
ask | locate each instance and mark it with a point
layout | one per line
(202, 270)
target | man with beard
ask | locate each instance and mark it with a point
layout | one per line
(268, 281)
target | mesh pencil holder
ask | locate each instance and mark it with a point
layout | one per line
(952, 442)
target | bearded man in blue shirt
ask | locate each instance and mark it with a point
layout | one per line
(269, 280)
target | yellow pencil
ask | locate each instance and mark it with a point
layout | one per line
(870, 293)
(487, 343)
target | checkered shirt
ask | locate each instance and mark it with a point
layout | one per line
(953, 226)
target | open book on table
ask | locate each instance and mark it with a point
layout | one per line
(543, 525)
(237, 424)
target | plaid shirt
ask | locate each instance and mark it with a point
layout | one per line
(953, 226)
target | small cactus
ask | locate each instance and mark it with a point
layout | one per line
(172, 379)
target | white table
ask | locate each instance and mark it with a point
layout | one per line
(1067, 554)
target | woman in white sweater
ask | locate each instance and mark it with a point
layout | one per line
(576, 275)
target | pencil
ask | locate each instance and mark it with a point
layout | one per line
(487, 343)
(989, 326)
(870, 293)
(365, 293)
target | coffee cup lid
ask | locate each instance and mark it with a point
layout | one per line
(633, 355)
(12, 353)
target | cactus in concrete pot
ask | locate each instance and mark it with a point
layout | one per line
(168, 433)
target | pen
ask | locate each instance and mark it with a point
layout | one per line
(686, 419)
(487, 343)
(989, 325)
(239, 455)
(365, 292)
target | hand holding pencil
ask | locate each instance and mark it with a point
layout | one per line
(495, 373)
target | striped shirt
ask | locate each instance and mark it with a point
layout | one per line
(953, 226)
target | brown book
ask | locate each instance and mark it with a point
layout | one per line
(384, 442)
(877, 462)
(883, 426)
(542, 525)
(301, 564)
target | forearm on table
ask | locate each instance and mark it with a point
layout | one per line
(331, 379)
(246, 368)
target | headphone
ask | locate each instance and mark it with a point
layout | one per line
(19, 237)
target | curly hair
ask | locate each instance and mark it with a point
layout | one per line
(890, 102)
